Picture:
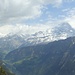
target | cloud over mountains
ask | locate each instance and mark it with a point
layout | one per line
(16, 10)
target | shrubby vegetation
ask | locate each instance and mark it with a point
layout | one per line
(4, 72)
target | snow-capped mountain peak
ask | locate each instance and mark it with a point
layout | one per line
(42, 34)
(26, 36)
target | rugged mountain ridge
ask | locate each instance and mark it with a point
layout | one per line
(13, 41)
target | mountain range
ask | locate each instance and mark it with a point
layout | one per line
(13, 41)
(48, 52)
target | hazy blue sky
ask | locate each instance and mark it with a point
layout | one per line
(32, 12)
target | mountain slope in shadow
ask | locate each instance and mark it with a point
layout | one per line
(55, 58)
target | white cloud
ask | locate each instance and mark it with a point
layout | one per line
(16, 10)
(70, 17)
(11, 10)
(22, 29)
(68, 0)
(71, 21)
